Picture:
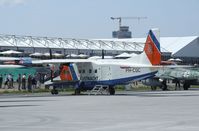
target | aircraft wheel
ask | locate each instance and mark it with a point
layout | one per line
(54, 92)
(77, 91)
(164, 88)
(164, 85)
(186, 86)
(111, 90)
(153, 88)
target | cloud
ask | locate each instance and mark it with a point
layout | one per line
(12, 2)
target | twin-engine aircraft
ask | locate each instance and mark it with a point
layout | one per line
(85, 74)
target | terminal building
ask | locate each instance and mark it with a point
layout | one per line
(184, 48)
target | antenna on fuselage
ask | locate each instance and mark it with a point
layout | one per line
(102, 53)
(50, 52)
(51, 70)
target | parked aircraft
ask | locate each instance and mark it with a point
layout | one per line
(85, 74)
(187, 76)
(23, 65)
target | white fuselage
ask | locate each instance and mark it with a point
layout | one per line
(113, 71)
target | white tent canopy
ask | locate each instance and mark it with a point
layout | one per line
(67, 56)
(123, 55)
(83, 56)
(100, 57)
(175, 60)
(171, 59)
(178, 60)
(74, 55)
(36, 54)
(46, 54)
(9, 52)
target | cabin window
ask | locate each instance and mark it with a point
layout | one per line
(90, 71)
(95, 70)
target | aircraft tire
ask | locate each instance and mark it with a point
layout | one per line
(164, 85)
(186, 86)
(153, 88)
(111, 90)
(77, 91)
(54, 92)
(164, 88)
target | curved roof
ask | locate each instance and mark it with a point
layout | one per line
(67, 43)
(168, 44)
(174, 44)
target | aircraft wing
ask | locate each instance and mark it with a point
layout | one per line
(60, 61)
(178, 73)
(166, 77)
(11, 66)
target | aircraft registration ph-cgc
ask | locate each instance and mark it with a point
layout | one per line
(85, 74)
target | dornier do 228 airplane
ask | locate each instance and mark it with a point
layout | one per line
(87, 73)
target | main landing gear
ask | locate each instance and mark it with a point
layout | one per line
(186, 85)
(54, 91)
(97, 89)
(77, 91)
(111, 90)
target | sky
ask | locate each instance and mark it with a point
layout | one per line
(91, 18)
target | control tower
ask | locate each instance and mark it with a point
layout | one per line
(123, 32)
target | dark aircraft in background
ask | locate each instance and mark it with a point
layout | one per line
(185, 76)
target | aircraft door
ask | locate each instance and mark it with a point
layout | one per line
(106, 73)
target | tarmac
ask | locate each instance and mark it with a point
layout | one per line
(125, 111)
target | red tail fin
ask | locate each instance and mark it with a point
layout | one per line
(152, 48)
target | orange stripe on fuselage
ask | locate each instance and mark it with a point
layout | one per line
(152, 52)
(65, 73)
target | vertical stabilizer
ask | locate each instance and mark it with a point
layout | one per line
(152, 47)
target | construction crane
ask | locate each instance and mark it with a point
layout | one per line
(120, 19)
